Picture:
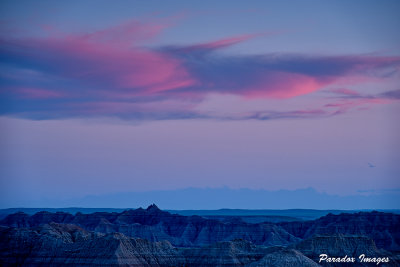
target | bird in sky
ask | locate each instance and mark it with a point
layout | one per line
(371, 165)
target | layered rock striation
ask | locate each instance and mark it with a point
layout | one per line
(383, 228)
(151, 237)
(156, 225)
(67, 245)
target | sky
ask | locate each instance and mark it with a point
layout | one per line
(100, 97)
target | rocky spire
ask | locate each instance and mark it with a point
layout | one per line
(153, 207)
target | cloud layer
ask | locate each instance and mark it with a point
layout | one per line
(113, 72)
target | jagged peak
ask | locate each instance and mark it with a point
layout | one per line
(153, 207)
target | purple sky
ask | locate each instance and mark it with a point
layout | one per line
(99, 97)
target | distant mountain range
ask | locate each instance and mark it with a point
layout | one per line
(219, 198)
(247, 215)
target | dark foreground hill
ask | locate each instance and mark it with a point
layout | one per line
(383, 228)
(69, 245)
(151, 237)
(154, 225)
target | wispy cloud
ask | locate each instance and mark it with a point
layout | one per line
(111, 72)
(346, 99)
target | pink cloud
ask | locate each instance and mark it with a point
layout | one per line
(110, 57)
(111, 71)
(364, 103)
(284, 85)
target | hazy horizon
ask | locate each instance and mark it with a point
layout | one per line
(222, 198)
